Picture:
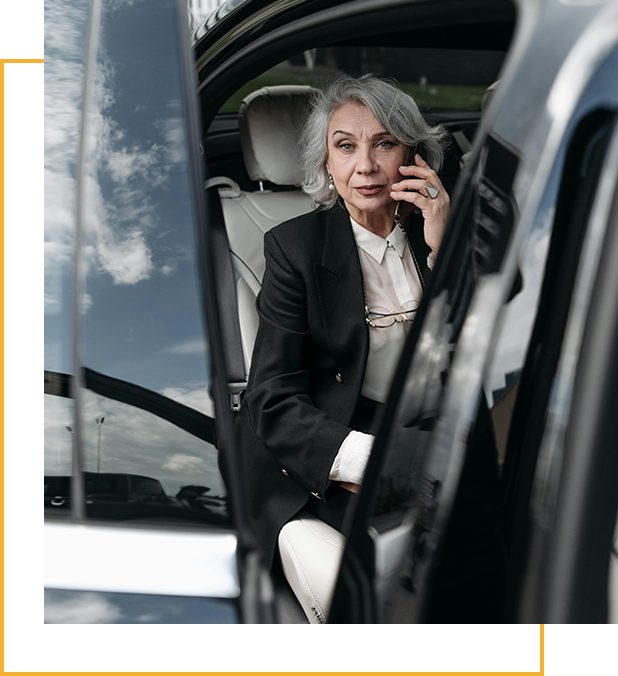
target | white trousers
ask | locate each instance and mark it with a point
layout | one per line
(311, 552)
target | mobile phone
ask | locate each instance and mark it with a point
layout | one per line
(397, 217)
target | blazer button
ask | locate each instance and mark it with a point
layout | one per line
(339, 378)
(285, 472)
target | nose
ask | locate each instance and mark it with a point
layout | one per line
(365, 160)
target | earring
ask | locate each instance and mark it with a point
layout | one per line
(331, 185)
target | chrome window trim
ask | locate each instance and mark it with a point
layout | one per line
(78, 490)
(141, 561)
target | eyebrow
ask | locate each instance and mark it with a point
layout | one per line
(347, 133)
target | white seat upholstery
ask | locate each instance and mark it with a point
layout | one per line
(270, 121)
(311, 553)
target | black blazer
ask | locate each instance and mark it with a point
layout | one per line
(308, 363)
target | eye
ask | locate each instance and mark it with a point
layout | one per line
(346, 147)
(386, 144)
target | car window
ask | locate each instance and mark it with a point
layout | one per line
(147, 419)
(436, 78)
(64, 47)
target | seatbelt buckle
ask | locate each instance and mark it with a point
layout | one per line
(236, 391)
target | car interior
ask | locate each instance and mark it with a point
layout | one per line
(250, 143)
(253, 153)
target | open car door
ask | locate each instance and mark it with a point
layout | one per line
(141, 524)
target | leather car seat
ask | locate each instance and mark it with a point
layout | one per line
(270, 121)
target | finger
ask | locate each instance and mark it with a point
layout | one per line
(412, 197)
(417, 186)
(409, 184)
(424, 172)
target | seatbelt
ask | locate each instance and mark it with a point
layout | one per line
(462, 141)
(227, 299)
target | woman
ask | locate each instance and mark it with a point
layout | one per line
(340, 288)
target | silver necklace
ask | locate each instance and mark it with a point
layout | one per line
(396, 222)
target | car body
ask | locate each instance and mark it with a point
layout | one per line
(519, 312)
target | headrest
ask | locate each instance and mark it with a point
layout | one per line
(270, 121)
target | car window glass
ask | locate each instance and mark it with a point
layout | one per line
(436, 78)
(68, 606)
(146, 414)
(65, 24)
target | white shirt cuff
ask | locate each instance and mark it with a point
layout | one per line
(351, 460)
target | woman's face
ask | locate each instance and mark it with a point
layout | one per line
(364, 160)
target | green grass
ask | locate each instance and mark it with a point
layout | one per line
(455, 97)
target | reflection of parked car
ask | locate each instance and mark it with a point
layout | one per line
(195, 497)
(133, 384)
(124, 488)
(58, 491)
(104, 489)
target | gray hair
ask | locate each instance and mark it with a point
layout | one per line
(393, 108)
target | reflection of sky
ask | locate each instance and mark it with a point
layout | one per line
(140, 305)
(65, 23)
(143, 323)
(516, 329)
(521, 311)
(58, 439)
(88, 607)
(134, 441)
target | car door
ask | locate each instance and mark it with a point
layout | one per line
(443, 525)
(142, 526)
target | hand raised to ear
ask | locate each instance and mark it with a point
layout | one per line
(414, 191)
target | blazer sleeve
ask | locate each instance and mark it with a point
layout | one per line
(302, 438)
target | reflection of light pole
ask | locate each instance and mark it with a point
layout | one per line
(72, 445)
(99, 423)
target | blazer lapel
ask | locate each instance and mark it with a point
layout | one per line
(339, 282)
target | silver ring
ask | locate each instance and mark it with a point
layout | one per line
(432, 191)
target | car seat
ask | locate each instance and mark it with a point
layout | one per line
(270, 120)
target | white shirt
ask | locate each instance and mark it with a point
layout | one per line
(391, 280)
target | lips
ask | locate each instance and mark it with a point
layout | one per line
(369, 190)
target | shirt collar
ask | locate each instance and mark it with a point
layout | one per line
(374, 245)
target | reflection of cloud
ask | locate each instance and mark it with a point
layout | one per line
(122, 215)
(148, 619)
(174, 131)
(184, 462)
(128, 261)
(86, 302)
(81, 608)
(124, 164)
(521, 311)
(58, 439)
(135, 441)
(189, 347)
(195, 397)
(64, 27)
(167, 269)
